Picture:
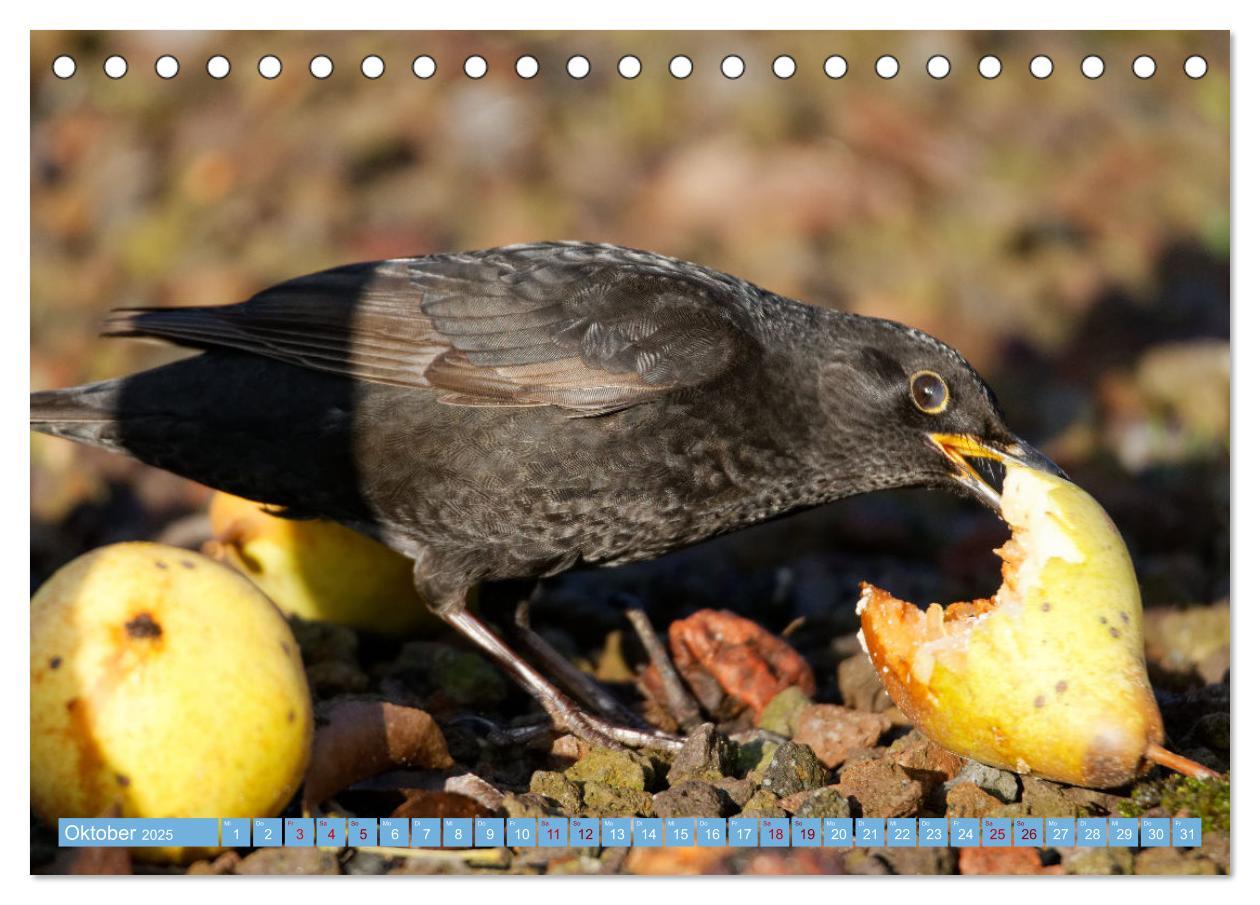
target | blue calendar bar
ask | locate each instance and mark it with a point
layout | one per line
(609, 832)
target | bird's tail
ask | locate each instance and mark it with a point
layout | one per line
(85, 413)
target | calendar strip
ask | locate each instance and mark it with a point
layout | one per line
(649, 832)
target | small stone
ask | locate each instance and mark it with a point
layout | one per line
(825, 802)
(290, 861)
(966, 799)
(689, 799)
(863, 862)
(366, 863)
(329, 678)
(530, 804)
(997, 782)
(569, 748)
(860, 687)
(1172, 861)
(925, 759)
(706, 755)
(225, 863)
(763, 803)
(781, 714)
(1046, 799)
(619, 769)
(737, 790)
(918, 861)
(752, 758)
(602, 800)
(559, 788)
(794, 768)
(882, 788)
(321, 642)
(835, 732)
(1212, 730)
(1097, 862)
(1001, 784)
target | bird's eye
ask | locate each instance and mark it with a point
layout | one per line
(929, 392)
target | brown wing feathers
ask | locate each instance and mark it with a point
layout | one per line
(482, 330)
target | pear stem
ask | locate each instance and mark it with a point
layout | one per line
(1183, 765)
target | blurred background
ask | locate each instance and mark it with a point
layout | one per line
(1069, 236)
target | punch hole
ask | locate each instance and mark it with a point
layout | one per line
(218, 66)
(938, 66)
(1041, 66)
(990, 67)
(835, 66)
(424, 66)
(1093, 67)
(784, 66)
(578, 66)
(629, 67)
(527, 66)
(732, 66)
(64, 66)
(887, 67)
(475, 67)
(680, 66)
(269, 67)
(1195, 66)
(372, 66)
(115, 67)
(166, 66)
(1144, 66)
(321, 66)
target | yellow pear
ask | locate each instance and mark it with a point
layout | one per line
(318, 569)
(1046, 677)
(163, 684)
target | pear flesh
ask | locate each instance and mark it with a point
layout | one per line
(1046, 677)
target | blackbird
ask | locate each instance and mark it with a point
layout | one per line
(512, 412)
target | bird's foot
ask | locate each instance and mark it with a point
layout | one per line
(589, 692)
(597, 731)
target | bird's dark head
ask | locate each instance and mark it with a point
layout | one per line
(905, 409)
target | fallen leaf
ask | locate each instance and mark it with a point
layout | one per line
(749, 663)
(361, 738)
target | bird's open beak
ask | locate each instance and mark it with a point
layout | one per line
(971, 455)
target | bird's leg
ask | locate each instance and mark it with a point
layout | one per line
(591, 692)
(564, 713)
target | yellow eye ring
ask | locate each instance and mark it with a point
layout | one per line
(929, 392)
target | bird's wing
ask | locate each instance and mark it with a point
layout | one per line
(578, 327)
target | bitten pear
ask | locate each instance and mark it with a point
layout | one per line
(1046, 677)
(163, 684)
(318, 569)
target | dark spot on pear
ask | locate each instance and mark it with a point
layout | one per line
(143, 626)
(1060, 686)
(1124, 617)
(161, 564)
(1040, 701)
(188, 564)
(1102, 619)
(291, 716)
(1115, 632)
(1045, 607)
(122, 779)
(54, 663)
